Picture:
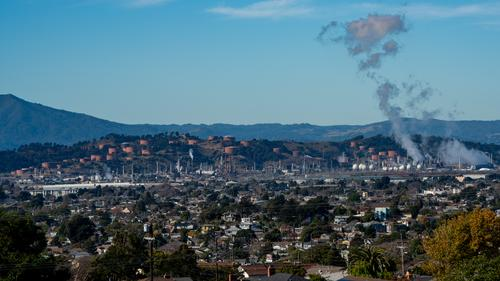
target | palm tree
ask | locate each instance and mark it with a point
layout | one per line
(370, 262)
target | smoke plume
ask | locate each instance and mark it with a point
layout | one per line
(455, 152)
(385, 93)
(370, 40)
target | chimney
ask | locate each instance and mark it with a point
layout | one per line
(230, 277)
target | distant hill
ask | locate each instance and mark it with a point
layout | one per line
(23, 122)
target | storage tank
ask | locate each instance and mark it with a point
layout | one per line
(391, 154)
(229, 149)
(95, 157)
(145, 152)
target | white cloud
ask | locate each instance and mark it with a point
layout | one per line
(265, 9)
(423, 10)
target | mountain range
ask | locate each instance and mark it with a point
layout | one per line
(23, 122)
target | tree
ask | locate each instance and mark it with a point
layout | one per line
(324, 255)
(462, 238)
(78, 228)
(245, 235)
(123, 258)
(273, 236)
(370, 262)
(37, 201)
(181, 263)
(354, 197)
(479, 268)
(22, 244)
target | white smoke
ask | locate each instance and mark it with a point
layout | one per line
(191, 154)
(371, 38)
(455, 152)
(107, 173)
(385, 93)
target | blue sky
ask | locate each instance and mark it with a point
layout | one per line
(240, 61)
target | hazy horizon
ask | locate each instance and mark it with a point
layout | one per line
(237, 124)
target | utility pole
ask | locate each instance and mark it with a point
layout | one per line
(148, 229)
(132, 176)
(216, 259)
(402, 247)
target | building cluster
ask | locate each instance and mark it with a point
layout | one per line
(250, 222)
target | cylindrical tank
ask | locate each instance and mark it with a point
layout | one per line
(95, 157)
(229, 149)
